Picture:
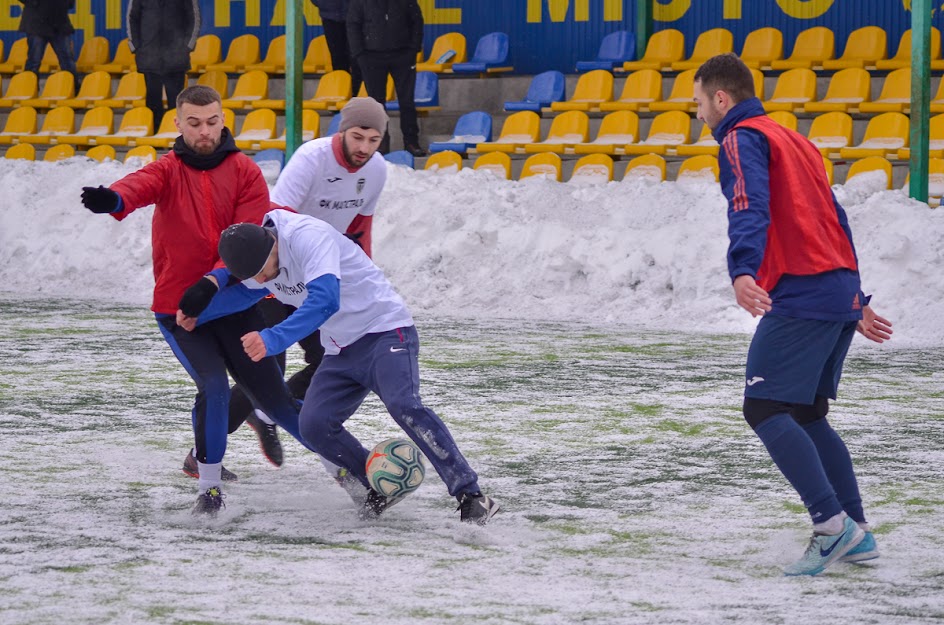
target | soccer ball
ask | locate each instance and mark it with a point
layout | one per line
(395, 467)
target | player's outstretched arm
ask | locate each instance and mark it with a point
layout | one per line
(874, 327)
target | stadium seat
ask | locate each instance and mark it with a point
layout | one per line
(471, 129)
(703, 167)
(444, 161)
(317, 58)
(490, 56)
(668, 130)
(762, 47)
(98, 122)
(21, 121)
(793, 89)
(208, 51)
(60, 86)
(400, 157)
(144, 153)
(425, 94)
(58, 153)
(812, 47)
(616, 130)
(705, 144)
(828, 165)
(895, 95)
(567, 130)
(935, 140)
(270, 155)
(166, 134)
(242, 51)
(902, 57)
(642, 88)
(137, 122)
(785, 119)
(257, 126)
(448, 49)
(519, 129)
(94, 52)
(645, 167)
(50, 62)
(869, 165)
(332, 93)
(102, 153)
(848, 88)
(592, 89)
(122, 62)
(592, 169)
(496, 163)
(229, 120)
(130, 92)
(217, 80)
(389, 95)
(311, 129)
(664, 48)
(864, 47)
(681, 96)
(615, 49)
(16, 61)
(252, 86)
(59, 121)
(543, 165)
(758, 83)
(884, 135)
(23, 86)
(274, 61)
(22, 151)
(830, 132)
(333, 126)
(709, 43)
(545, 88)
(95, 88)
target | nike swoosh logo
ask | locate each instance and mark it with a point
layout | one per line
(398, 349)
(333, 179)
(755, 380)
(824, 553)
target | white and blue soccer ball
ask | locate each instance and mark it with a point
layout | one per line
(395, 467)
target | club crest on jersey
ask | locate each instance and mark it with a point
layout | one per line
(360, 184)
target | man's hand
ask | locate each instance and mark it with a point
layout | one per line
(100, 199)
(254, 346)
(874, 327)
(751, 297)
(195, 299)
(185, 322)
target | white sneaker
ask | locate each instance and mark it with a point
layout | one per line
(824, 549)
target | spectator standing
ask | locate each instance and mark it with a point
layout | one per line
(47, 22)
(333, 19)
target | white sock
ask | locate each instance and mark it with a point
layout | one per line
(831, 526)
(264, 417)
(210, 475)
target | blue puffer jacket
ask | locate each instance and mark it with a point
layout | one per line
(334, 10)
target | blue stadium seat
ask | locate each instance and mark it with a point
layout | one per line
(426, 94)
(491, 55)
(471, 129)
(334, 125)
(400, 157)
(272, 154)
(545, 88)
(615, 49)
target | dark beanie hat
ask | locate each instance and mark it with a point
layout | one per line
(363, 113)
(245, 249)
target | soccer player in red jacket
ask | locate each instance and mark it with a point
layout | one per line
(792, 261)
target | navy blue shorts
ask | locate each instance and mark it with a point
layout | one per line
(794, 360)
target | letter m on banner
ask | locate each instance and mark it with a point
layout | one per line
(558, 9)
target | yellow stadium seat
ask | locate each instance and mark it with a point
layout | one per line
(830, 132)
(447, 49)
(208, 51)
(794, 88)
(668, 130)
(274, 61)
(895, 95)
(544, 165)
(229, 120)
(758, 83)
(388, 96)
(592, 89)
(762, 47)
(902, 57)
(518, 130)
(217, 80)
(98, 122)
(58, 153)
(50, 62)
(567, 130)
(23, 86)
(812, 48)
(681, 96)
(21, 121)
(592, 169)
(709, 43)
(496, 163)
(122, 62)
(22, 151)
(444, 161)
(16, 61)
(664, 48)
(702, 167)
(243, 51)
(60, 86)
(705, 144)
(258, 125)
(130, 92)
(251, 86)
(871, 164)
(318, 58)
(332, 93)
(935, 140)
(166, 134)
(96, 87)
(848, 88)
(144, 153)
(137, 122)
(59, 121)
(864, 47)
(884, 135)
(785, 119)
(311, 129)
(94, 52)
(616, 130)
(102, 153)
(642, 88)
(828, 165)
(645, 167)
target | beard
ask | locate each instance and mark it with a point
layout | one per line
(205, 147)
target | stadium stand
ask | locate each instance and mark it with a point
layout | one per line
(793, 89)
(216, 79)
(700, 168)
(208, 51)
(646, 166)
(425, 94)
(544, 165)
(640, 89)
(490, 56)
(121, 63)
(259, 125)
(143, 153)
(242, 51)
(592, 89)
(21, 121)
(811, 49)
(895, 95)
(251, 86)
(102, 153)
(274, 61)
(935, 140)
(496, 163)
(16, 61)
(58, 121)
(680, 98)
(471, 129)
(23, 86)
(317, 58)
(58, 153)
(616, 130)
(592, 169)
(95, 88)
(864, 48)
(567, 130)
(130, 92)
(847, 89)
(21, 151)
(869, 165)
(705, 144)
(762, 47)
(58, 87)
(668, 130)
(902, 57)
(400, 157)
(664, 48)
(545, 89)
(94, 52)
(518, 129)
(830, 132)
(444, 162)
(311, 129)
(98, 122)
(447, 50)
(615, 49)
(709, 43)
(332, 93)
(884, 136)
(137, 122)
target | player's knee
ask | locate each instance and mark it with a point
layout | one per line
(806, 414)
(756, 411)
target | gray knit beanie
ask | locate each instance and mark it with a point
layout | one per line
(245, 249)
(364, 113)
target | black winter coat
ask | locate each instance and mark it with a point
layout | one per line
(334, 10)
(162, 33)
(384, 26)
(46, 18)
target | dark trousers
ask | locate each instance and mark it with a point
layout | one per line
(401, 66)
(155, 84)
(336, 36)
(61, 45)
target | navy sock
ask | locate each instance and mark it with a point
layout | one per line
(838, 466)
(796, 456)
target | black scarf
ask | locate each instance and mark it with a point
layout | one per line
(206, 161)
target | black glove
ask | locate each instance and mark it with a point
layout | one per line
(100, 199)
(356, 237)
(197, 298)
